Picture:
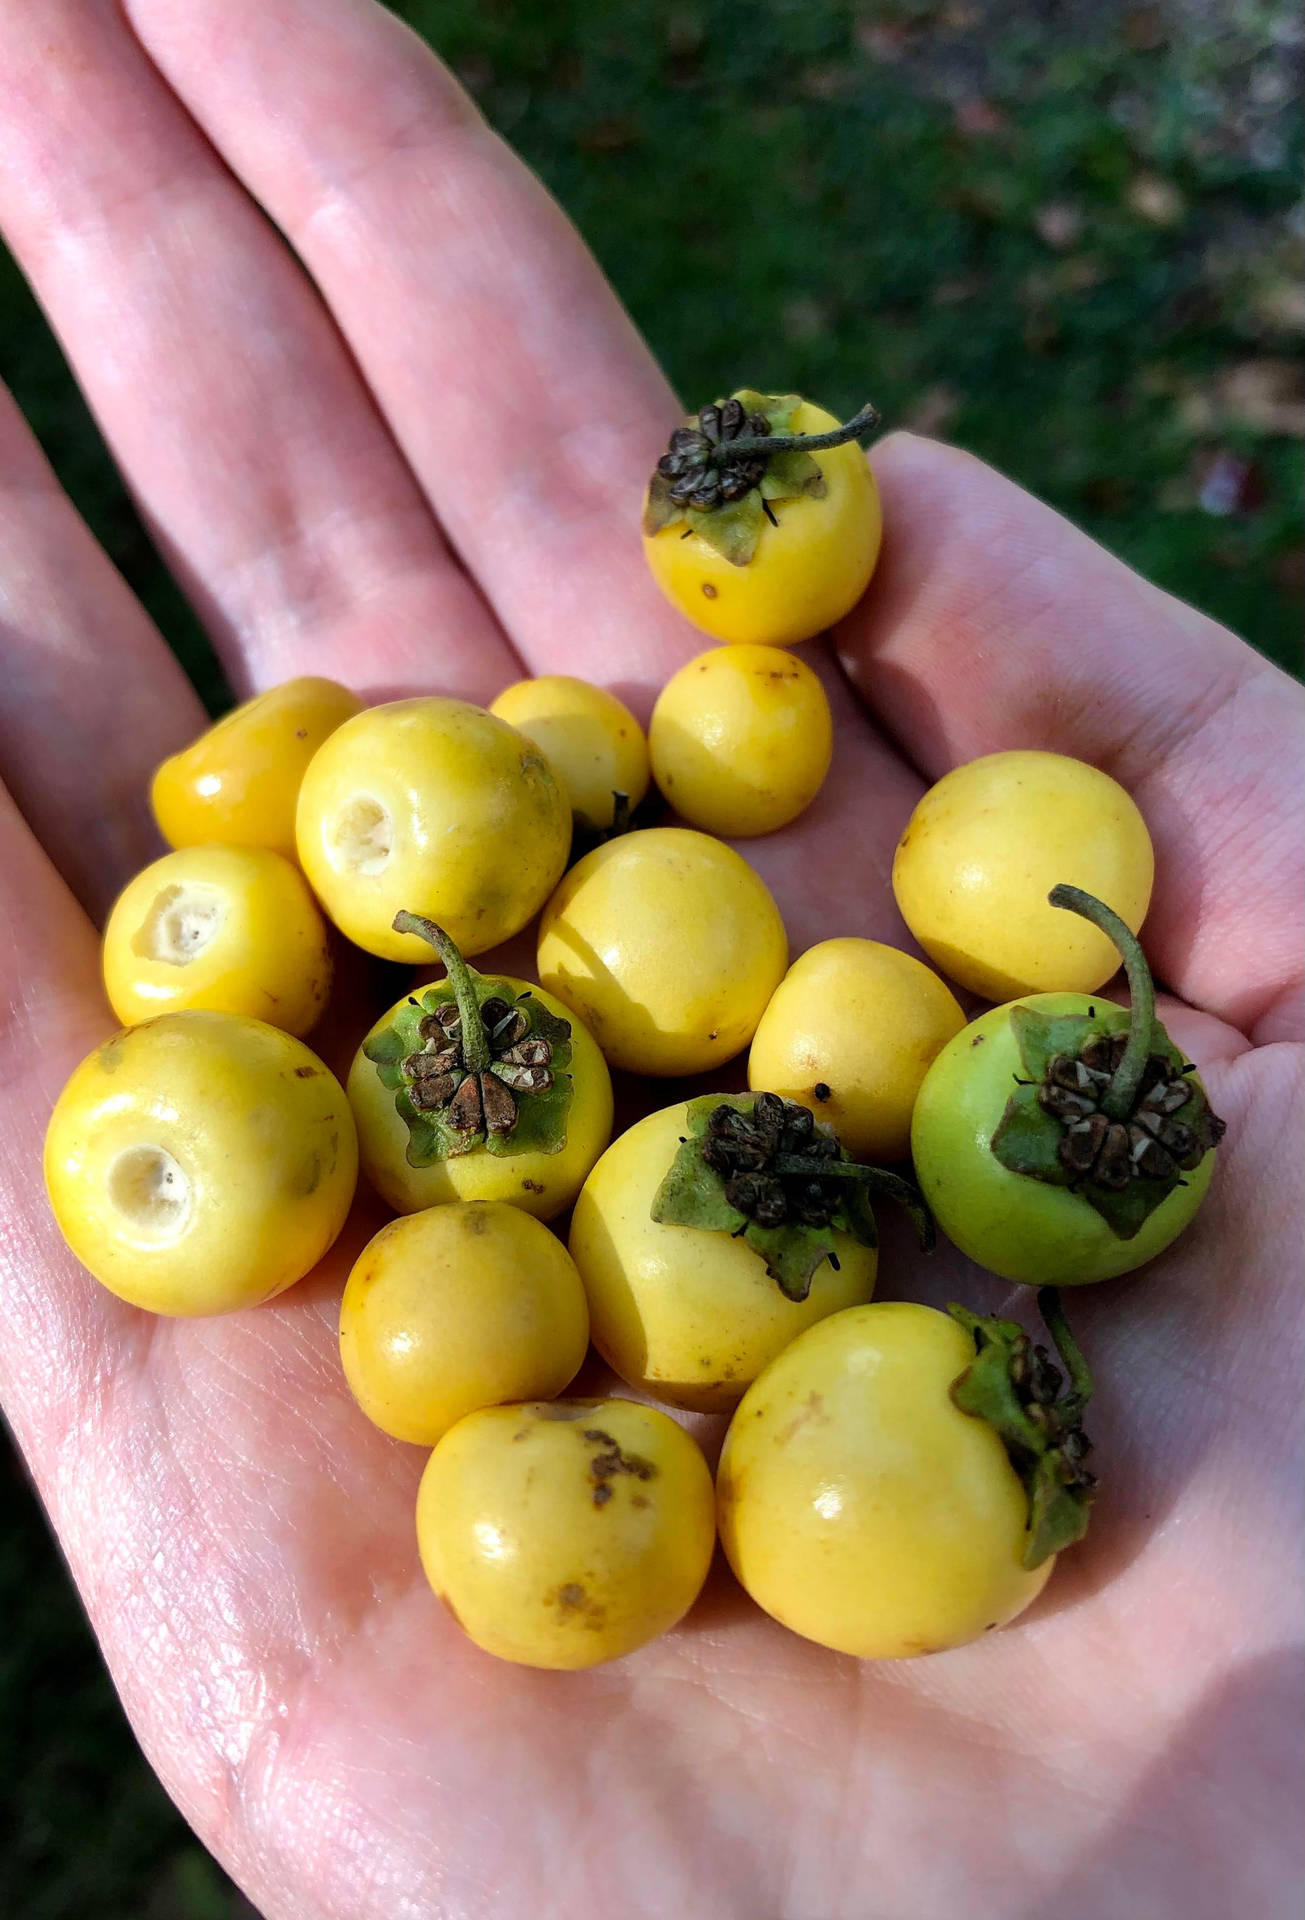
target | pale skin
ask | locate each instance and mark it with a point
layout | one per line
(243, 1541)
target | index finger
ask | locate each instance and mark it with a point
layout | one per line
(993, 623)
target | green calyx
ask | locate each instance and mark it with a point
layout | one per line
(725, 467)
(1017, 1388)
(1108, 1106)
(473, 1062)
(761, 1169)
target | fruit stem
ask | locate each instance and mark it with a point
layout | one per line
(474, 1041)
(1120, 1096)
(861, 423)
(878, 1179)
(1053, 1314)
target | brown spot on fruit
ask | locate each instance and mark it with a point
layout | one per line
(811, 1410)
(532, 1186)
(708, 590)
(822, 1090)
(574, 1604)
(978, 1039)
(610, 1460)
(305, 1073)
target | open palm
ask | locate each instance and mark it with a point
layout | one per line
(415, 466)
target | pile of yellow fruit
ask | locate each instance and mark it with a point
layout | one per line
(894, 1479)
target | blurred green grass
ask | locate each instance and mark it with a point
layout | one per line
(1064, 234)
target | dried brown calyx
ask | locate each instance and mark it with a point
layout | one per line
(727, 466)
(760, 1168)
(774, 1162)
(473, 1063)
(1150, 1143)
(1109, 1107)
(701, 469)
(441, 1077)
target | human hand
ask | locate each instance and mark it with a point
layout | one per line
(419, 470)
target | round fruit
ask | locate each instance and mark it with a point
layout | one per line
(457, 1308)
(239, 783)
(231, 929)
(437, 806)
(593, 743)
(851, 1032)
(567, 1533)
(984, 848)
(741, 577)
(859, 1506)
(689, 1315)
(668, 946)
(520, 1118)
(1020, 1226)
(200, 1162)
(741, 739)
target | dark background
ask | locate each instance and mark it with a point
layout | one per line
(1066, 234)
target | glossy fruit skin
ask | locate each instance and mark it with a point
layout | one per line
(592, 741)
(540, 1183)
(741, 739)
(864, 1021)
(806, 574)
(859, 1506)
(435, 807)
(1021, 1228)
(687, 1316)
(267, 956)
(457, 1308)
(238, 784)
(668, 946)
(984, 848)
(260, 1132)
(544, 1559)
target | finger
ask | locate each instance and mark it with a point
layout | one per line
(93, 700)
(517, 386)
(59, 1332)
(220, 381)
(994, 623)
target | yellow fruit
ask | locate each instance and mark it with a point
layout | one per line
(435, 807)
(851, 1032)
(456, 1308)
(200, 1162)
(859, 1506)
(592, 741)
(741, 739)
(231, 929)
(807, 572)
(567, 1533)
(985, 847)
(239, 782)
(668, 946)
(540, 1183)
(689, 1316)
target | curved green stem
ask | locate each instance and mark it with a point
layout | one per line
(1053, 1314)
(475, 1043)
(863, 422)
(877, 1179)
(1121, 1095)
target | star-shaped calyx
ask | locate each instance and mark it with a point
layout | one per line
(762, 1169)
(1108, 1107)
(474, 1062)
(727, 466)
